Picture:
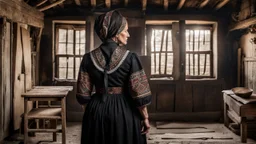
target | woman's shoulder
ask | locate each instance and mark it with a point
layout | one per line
(86, 55)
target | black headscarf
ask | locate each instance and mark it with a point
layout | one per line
(109, 24)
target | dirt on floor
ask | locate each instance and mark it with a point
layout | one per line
(160, 133)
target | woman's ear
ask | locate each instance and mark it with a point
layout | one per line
(115, 39)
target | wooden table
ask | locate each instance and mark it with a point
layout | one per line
(46, 93)
(238, 110)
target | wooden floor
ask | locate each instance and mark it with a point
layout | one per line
(160, 133)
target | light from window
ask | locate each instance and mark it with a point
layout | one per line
(69, 52)
(198, 52)
(161, 52)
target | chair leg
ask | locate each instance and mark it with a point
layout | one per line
(54, 126)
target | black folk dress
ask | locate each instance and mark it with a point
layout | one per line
(121, 87)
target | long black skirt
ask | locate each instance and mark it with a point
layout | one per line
(114, 121)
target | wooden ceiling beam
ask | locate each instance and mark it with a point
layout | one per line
(108, 3)
(204, 3)
(166, 4)
(93, 3)
(78, 2)
(125, 2)
(51, 5)
(144, 4)
(221, 4)
(41, 2)
(181, 3)
(243, 24)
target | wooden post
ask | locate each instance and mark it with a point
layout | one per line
(63, 119)
(243, 130)
(182, 42)
(176, 51)
(38, 55)
(239, 67)
(226, 119)
(25, 120)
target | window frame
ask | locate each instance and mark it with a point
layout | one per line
(149, 29)
(73, 27)
(201, 27)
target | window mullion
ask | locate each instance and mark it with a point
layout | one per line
(166, 48)
(211, 54)
(189, 41)
(67, 53)
(161, 49)
(198, 55)
(193, 51)
(74, 53)
(155, 50)
(205, 58)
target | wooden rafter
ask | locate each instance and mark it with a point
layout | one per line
(221, 4)
(125, 2)
(51, 5)
(93, 3)
(181, 3)
(243, 24)
(166, 4)
(78, 2)
(108, 3)
(41, 2)
(144, 4)
(204, 3)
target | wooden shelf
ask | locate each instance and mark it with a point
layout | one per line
(45, 113)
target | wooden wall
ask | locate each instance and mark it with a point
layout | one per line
(15, 12)
(191, 100)
(199, 100)
(248, 61)
(243, 41)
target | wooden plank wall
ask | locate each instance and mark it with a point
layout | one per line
(7, 103)
(18, 107)
(202, 97)
(250, 71)
(5, 77)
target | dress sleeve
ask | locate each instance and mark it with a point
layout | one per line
(84, 84)
(139, 85)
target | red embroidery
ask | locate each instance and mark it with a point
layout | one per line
(84, 85)
(139, 84)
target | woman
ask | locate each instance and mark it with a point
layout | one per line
(117, 112)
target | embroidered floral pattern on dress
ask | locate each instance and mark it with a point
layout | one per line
(139, 84)
(84, 85)
(117, 57)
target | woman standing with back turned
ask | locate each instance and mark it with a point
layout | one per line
(117, 112)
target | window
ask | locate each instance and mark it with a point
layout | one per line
(198, 52)
(165, 54)
(70, 48)
(161, 51)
